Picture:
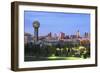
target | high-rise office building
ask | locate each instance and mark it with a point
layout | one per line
(61, 36)
(78, 34)
(27, 38)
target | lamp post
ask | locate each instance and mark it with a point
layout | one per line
(36, 26)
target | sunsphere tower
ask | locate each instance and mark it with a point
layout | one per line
(36, 26)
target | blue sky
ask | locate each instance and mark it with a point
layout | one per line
(57, 22)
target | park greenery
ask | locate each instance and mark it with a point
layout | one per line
(57, 51)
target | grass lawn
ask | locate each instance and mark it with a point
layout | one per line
(63, 58)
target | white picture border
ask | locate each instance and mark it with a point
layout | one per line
(34, 64)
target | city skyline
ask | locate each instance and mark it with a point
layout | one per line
(56, 22)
